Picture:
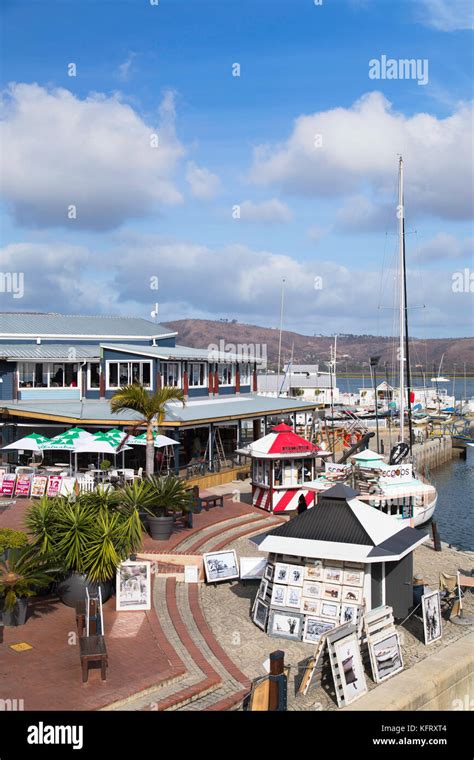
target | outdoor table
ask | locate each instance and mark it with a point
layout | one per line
(93, 649)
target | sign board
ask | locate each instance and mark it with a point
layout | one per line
(38, 486)
(191, 574)
(8, 484)
(396, 473)
(54, 485)
(252, 568)
(336, 469)
(23, 485)
(67, 486)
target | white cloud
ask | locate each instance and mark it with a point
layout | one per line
(359, 154)
(316, 233)
(75, 279)
(266, 212)
(443, 247)
(446, 15)
(360, 214)
(96, 154)
(204, 184)
(124, 69)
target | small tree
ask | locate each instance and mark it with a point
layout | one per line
(151, 407)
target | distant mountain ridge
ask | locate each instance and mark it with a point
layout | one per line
(201, 333)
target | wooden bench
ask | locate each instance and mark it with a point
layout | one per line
(80, 617)
(212, 501)
(93, 649)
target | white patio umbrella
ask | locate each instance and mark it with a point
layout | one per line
(98, 446)
(31, 442)
(68, 441)
(160, 440)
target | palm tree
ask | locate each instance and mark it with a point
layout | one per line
(150, 406)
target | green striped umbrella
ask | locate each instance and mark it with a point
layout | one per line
(31, 442)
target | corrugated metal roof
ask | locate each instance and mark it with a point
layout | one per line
(179, 352)
(45, 351)
(50, 324)
(247, 405)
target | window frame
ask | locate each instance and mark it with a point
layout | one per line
(129, 363)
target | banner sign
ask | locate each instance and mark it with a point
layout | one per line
(336, 469)
(38, 487)
(22, 487)
(8, 484)
(397, 473)
(54, 485)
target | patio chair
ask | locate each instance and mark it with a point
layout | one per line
(453, 589)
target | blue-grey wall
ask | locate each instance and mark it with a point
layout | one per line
(6, 375)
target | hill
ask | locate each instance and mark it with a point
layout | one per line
(201, 333)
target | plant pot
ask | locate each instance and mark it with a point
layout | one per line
(161, 528)
(17, 615)
(72, 589)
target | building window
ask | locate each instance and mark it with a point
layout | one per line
(197, 375)
(93, 375)
(245, 374)
(170, 372)
(127, 373)
(43, 375)
(225, 373)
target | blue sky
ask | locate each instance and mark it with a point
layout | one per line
(243, 141)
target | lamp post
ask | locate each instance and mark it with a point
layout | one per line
(374, 360)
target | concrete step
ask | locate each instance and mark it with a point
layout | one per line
(189, 541)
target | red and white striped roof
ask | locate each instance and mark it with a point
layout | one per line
(281, 442)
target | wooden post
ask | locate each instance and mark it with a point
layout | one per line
(216, 381)
(436, 537)
(254, 386)
(237, 378)
(186, 380)
(158, 381)
(277, 691)
(102, 383)
(210, 379)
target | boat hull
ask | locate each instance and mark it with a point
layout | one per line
(424, 514)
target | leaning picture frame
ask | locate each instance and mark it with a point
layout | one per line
(269, 571)
(385, 655)
(315, 628)
(133, 586)
(432, 621)
(262, 589)
(285, 624)
(260, 614)
(221, 566)
(348, 659)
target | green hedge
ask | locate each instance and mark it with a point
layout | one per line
(12, 539)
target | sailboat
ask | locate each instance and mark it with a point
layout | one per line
(439, 378)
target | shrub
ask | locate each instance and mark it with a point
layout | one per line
(12, 539)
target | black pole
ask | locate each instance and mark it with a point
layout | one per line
(407, 351)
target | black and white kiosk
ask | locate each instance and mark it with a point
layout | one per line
(342, 544)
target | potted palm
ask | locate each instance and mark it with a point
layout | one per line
(169, 497)
(151, 408)
(22, 575)
(89, 536)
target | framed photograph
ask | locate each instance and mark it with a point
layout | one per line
(281, 574)
(286, 624)
(133, 591)
(279, 595)
(385, 655)
(314, 572)
(315, 629)
(310, 606)
(312, 590)
(332, 593)
(331, 611)
(262, 589)
(221, 566)
(352, 594)
(349, 613)
(252, 568)
(432, 625)
(293, 597)
(295, 575)
(351, 670)
(353, 577)
(260, 614)
(269, 570)
(333, 574)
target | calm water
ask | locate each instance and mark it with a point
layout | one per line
(454, 481)
(454, 512)
(352, 384)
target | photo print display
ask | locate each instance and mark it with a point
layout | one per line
(432, 625)
(133, 586)
(352, 594)
(310, 606)
(279, 595)
(260, 614)
(332, 593)
(293, 597)
(221, 566)
(351, 670)
(285, 624)
(315, 628)
(333, 574)
(385, 655)
(295, 575)
(312, 590)
(281, 573)
(314, 572)
(269, 570)
(353, 577)
(330, 610)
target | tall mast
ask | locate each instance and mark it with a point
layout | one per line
(401, 349)
(281, 329)
(404, 345)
